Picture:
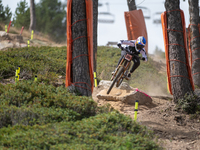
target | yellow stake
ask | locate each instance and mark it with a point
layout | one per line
(35, 78)
(136, 110)
(18, 73)
(6, 28)
(95, 79)
(32, 35)
(28, 42)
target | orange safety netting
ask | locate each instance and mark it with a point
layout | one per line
(190, 49)
(135, 25)
(166, 42)
(89, 19)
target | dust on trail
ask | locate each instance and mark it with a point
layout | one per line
(175, 131)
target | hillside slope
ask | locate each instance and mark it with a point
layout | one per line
(14, 39)
(175, 129)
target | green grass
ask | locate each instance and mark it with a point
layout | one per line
(38, 115)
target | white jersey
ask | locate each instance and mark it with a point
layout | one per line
(132, 43)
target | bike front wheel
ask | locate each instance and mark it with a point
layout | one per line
(121, 70)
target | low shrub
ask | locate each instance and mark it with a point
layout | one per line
(105, 131)
(38, 115)
(48, 62)
(190, 103)
(12, 115)
(44, 103)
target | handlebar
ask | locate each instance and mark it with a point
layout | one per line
(123, 49)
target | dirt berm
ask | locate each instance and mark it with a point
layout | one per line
(123, 93)
(175, 130)
(8, 40)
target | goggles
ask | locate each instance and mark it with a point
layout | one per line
(139, 46)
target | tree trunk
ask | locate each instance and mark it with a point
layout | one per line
(32, 16)
(80, 63)
(180, 85)
(195, 40)
(131, 5)
(95, 29)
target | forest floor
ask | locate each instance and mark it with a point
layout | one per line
(174, 130)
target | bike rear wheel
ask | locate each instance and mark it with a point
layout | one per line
(121, 70)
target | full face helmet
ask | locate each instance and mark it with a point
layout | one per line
(140, 43)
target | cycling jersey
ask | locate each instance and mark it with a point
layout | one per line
(130, 46)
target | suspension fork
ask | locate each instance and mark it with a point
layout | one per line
(126, 66)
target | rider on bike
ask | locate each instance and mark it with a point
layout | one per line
(135, 47)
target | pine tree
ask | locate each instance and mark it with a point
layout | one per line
(195, 40)
(80, 65)
(95, 25)
(5, 13)
(180, 85)
(2, 13)
(51, 19)
(22, 15)
(131, 5)
(8, 15)
(32, 15)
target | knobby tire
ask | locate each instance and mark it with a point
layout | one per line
(115, 79)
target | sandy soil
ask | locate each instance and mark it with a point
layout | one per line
(175, 131)
(17, 41)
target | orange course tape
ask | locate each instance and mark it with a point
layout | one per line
(89, 19)
(190, 49)
(166, 43)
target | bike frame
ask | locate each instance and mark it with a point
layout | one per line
(119, 74)
(125, 63)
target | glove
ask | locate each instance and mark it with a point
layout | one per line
(143, 58)
(119, 45)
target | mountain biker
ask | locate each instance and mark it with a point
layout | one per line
(135, 47)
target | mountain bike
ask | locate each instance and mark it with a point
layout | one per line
(122, 70)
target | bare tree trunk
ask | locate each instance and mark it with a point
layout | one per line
(195, 40)
(131, 5)
(80, 63)
(180, 85)
(32, 16)
(95, 29)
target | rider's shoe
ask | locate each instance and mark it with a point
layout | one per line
(128, 76)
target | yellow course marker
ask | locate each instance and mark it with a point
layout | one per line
(16, 75)
(18, 70)
(32, 35)
(136, 110)
(35, 78)
(28, 42)
(6, 28)
(95, 79)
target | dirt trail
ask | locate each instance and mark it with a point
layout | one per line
(175, 131)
